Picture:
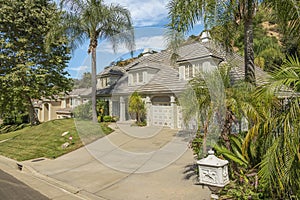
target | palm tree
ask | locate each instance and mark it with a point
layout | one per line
(184, 14)
(137, 106)
(213, 96)
(279, 168)
(93, 20)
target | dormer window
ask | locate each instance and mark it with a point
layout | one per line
(104, 82)
(186, 72)
(137, 78)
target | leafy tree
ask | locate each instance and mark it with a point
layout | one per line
(83, 111)
(27, 70)
(267, 49)
(137, 106)
(94, 20)
(84, 82)
(287, 17)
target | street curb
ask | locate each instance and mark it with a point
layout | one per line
(13, 167)
(62, 185)
(8, 162)
(51, 181)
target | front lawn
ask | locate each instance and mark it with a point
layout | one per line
(45, 140)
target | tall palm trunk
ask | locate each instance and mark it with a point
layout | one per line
(248, 41)
(226, 131)
(93, 46)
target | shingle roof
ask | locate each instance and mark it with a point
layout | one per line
(160, 57)
(81, 92)
(106, 91)
(167, 78)
(165, 81)
(112, 70)
(237, 62)
(194, 51)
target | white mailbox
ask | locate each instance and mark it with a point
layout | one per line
(213, 171)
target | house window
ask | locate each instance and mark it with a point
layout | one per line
(188, 71)
(196, 69)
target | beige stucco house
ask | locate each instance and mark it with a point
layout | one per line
(62, 106)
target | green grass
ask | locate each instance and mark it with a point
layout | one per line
(45, 140)
(89, 131)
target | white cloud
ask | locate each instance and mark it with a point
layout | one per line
(154, 42)
(145, 13)
(79, 69)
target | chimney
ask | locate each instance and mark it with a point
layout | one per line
(205, 36)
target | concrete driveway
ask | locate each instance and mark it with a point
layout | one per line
(131, 163)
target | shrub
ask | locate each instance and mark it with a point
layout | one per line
(99, 118)
(83, 111)
(142, 123)
(114, 119)
(107, 118)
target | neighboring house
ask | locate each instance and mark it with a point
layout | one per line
(62, 106)
(160, 83)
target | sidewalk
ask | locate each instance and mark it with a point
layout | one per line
(128, 164)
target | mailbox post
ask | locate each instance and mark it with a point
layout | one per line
(213, 172)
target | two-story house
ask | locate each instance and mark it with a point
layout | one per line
(160, 83)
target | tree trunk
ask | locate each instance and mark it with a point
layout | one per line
(205, 132)
(226, 131)
(248, 42)
(137, 117)
(33, 118)
(94, 81)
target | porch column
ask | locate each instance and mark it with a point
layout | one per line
(43, 113)
(122, 109)
(148, 110)
(50, 112)
(174, 112)
(110, 106)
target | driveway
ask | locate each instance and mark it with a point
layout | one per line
(131, 163)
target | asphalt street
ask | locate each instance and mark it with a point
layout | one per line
(11, 188)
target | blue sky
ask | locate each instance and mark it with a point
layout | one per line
(149, 19)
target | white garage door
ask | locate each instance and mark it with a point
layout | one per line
(162, 116)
